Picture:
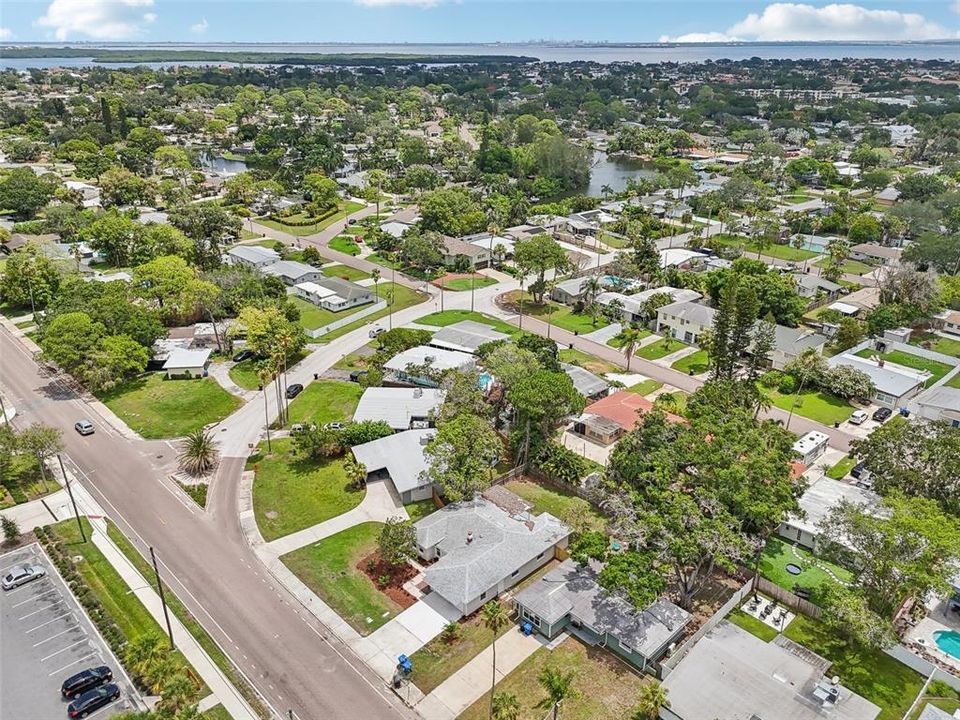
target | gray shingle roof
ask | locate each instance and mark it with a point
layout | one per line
(887, 379)
(465, 336)
(401, 455)
(397, 405)
(584, 381)
(694, 312)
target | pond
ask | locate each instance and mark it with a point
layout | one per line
(221, 165)
(615, 170)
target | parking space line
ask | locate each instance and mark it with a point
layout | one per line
(78, 642)
(58, 617)
(78, 660)
(28, 586)
(15, 565)
(72, 627)
(104, 707)
(48, 607)
(39, 597)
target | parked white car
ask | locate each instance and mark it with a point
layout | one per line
(857, 417)
(21, 576)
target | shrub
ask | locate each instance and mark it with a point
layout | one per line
(771, 378)
(451, 632)
(787, 385)
(560, 463)
(11, 531)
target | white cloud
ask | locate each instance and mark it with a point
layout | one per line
(786, 22)
(100, 19)
(391, 3)
(955, 6)
(200, 28)
(7, 33)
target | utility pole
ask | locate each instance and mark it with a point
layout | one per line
(76, 513)
(163, 600)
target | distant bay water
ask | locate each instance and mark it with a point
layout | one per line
(648, 54)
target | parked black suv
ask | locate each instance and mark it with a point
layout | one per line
(93, 700)
(86, 680)
(857, 470)
(244, 355)
(294, 390)
(882, 414)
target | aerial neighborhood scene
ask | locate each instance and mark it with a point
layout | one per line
(408, 368)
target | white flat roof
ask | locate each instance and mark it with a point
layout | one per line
(184, 358)
(809, 441)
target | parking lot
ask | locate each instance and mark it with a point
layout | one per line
(47, 638)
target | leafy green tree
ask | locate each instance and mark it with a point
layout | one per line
(505, 706)
(115, 235)
(357, 433)
(422, 250)
(629, 340)
(29, 278)
(848, 382)
(940, 251)
(119, 186)
(41, 441)
(11, 531)
(849, 333)
(210, 227)
(920, 186)
(846, 613)
(463, 396)
(452, 211)
(70, 340)
(397, 541)
(317, 443)
(174, 286)
(118, 358)
(22, 192)
(462, 455)
(322, 190)
(865, 229)
(536, 256)
(541, 401)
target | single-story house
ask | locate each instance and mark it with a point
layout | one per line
(895, 384)
(591, 386)
(685, 321)
(253, 256)
(293, 272)
(680, 257)
(402, 408)
(634, 310)
(119, 276)
(790, 343)
(888, 196)
(951, 322)
(939, 403)
(605, 420)
(570, 599)
(398, 458)
(465, 336)
(491, 242)
(845, 309)
(823, 495)
(814, 286)
(846, 169)
(477, 550)
(395, 228)
(334, 294)
(477, 255)
(570, 291)
(187, 363)
(437, 359)
(734, 675)
(811, 446)
(874, 253)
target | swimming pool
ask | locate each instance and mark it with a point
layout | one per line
(485, 380)
(949, 642)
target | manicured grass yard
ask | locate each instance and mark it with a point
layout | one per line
(698, 362)
(328, 568)
(419, 509)
(814, 404)
(324, 401)
(291, 493)
(159, 408)
(344, 271)
(871, 673)
(562, 316)
(752, 625)
(346, 208)
(851, 267)
(949, 702)
(646, 387)
(556, 502)
(840, 470)
(313, 316)
(617, 342)
(345, 244)
(937, 369)
(399, 296)
(588, 362)
(781, 252)
(244, 374)
(461, 284)
(938, 343)
(217, 712)
(449, 317)
(607, 687)
(659, 349)
(953, 382)
(439, 659)
(778, 553)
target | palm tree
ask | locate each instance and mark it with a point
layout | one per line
(198, 452)
(798, 242)
(494, 619)
(606, 191)
(629, 339)
(591, 288)
(176, 693)
(356, 472)
(506, 706)
(559, 687)
(652, 699)
(375, 274)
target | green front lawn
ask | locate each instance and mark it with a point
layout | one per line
(313, 317)
(449, 317)
(159, 408)
(344, 271)
(398, 298)
(659, 349)
(617, 341)
(607, 689)
(781, 252)
(560, 504)
(778, 553)
(345, 244)
(850, 267)
(797, 198)
(217, 712)
(324, 401)
(698, 362)
(23, 482)
(752, 625)
(329, 569)
(937, 343)
(953, 382)
(840, 470)
(820, 406)
(646, 387)
(419, 509)
(873, 674)
(936, 369)
(595, 365)
(244, 374)
(461, 284)
(439, 658)
(291, 493)
(348, 207)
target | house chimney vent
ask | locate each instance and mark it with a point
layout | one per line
(469, 537)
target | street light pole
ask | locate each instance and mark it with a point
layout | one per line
(163, 599)
(76, 513)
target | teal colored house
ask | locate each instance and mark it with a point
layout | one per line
(569, 599)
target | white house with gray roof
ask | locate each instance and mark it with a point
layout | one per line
(333, 293)
(823, 495)
(252, 256)
(592, 387)
(569, 598)
(465, 336)
(895, 384)
(398, 459)
(401, 407)
(406, 365)
(685, 321)
(293, 272)
(478, 550)
(940, 403)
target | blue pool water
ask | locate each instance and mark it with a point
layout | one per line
(814, 246)
(949, 642)
(485, 380)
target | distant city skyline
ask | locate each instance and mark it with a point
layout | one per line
(472, 21)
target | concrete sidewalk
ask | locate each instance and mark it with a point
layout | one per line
(38, 513)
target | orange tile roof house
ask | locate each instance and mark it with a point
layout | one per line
(606, 420)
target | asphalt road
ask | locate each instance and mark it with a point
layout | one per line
(207, 563)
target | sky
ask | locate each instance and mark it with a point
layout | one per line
(457, 21)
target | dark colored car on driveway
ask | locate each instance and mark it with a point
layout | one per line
(881, 414)
(93, 700)
(294, 390)
(244, 355)
(86, 680)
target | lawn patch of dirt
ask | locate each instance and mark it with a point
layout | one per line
(375, 569)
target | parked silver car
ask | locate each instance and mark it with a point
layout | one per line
(21, 576)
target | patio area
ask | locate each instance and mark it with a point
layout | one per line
(769, 612)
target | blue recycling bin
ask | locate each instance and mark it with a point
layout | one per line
(405, 664)
(527, 628)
